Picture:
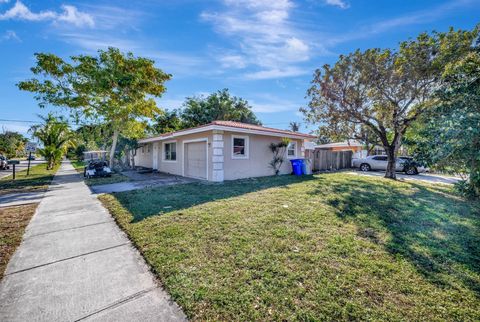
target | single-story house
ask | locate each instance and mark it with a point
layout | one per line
(351, 145)
(218, 151)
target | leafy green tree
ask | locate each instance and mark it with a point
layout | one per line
(56, 137)
(450, 137)
(12, 144)
(166, 122)
(113, 88)
(385, 90)
(217, 106)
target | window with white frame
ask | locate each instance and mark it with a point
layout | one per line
(239, 147)
(170, 151)
(292, 150)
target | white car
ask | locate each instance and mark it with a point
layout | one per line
(379, 162)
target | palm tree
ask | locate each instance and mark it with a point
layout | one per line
(56, 137)
(294, 126)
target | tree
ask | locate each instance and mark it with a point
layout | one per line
(385, 90)
(278, 151)
(114, 88)
(12, 144)
(55, 136)
(450, 137)
(217, 106)
(294, 126)
(166, 122)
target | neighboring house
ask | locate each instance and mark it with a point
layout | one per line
(354, 146)
(357, 148)
(221, 150)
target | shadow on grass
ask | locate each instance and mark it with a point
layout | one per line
(154, 201)
(436, 231)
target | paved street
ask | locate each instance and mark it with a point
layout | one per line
(19, 167)
(74, 263)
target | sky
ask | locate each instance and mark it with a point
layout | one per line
(264, 51)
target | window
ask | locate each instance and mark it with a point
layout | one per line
(292, 149)
(380, 158)
(170, 151)
(239, 147)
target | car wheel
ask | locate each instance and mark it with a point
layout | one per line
(411, 171)
(365, 167)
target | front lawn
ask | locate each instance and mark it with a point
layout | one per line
(13, 221)
(38, 180)
(114, 178)
(327, 247)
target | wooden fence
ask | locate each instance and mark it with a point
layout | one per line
(331, 160)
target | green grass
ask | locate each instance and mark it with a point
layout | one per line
(114, 178)
(13, 221)
(38, 180)
(327, 247)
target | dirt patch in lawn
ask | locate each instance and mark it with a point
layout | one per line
(13, 221)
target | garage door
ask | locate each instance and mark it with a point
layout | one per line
(196, 160)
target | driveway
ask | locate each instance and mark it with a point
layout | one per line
(141, 181)
(425, 177)
(19, 167)
(74, 263)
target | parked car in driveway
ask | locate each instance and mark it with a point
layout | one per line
(379, 162)
(3, 163)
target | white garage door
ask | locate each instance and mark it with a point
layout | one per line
(196, 160)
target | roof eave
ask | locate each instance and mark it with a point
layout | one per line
(225, 128)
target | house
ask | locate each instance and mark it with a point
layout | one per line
(351, 145)
(221, 150)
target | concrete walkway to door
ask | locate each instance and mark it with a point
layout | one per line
(76, 264)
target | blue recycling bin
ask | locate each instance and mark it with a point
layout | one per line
(297, 166)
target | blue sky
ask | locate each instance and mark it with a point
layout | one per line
(264, 51)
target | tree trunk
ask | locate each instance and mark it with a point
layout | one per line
(114, 146)
(391, 157)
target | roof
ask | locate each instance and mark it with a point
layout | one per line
(344, 144)
(230, 126)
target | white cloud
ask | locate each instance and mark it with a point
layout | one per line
(69, 15)
(233, 61)
(338, 3)
(10, 35)
(265, 37)
(277, 73)
(267, 103)
(21, 12)
(72, 15)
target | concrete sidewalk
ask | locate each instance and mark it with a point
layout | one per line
(76, 264)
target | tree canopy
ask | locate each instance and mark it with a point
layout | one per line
(117, 89)
(56, 137)
(12, 144)
(217, 106)
(449, 136)
(384, 90)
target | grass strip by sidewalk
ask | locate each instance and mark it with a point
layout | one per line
(329, 247)
(114, 178)
(38, 180)
(13, 221)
